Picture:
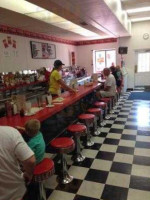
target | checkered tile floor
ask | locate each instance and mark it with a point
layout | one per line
(117, 167)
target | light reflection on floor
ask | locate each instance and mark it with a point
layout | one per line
(143, 116)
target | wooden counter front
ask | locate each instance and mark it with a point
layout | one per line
(48, 112)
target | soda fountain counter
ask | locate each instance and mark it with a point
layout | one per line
(54, 120)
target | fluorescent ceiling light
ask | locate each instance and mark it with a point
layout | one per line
(136, 10)
(34, 11)
(140, 19)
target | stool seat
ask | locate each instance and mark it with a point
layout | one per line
(100, 104)
(62, 142)
(106, 100)
(86, 116)
(76, 128)
(43, 170)
(95, 110)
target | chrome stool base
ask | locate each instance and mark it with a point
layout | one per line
(97, 132)
(65, 180)
(89, 143)
(78, 158)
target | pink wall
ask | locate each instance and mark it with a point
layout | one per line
(20, 58)
(85, 54)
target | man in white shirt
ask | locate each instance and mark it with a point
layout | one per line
(13, 152)
(109, 85)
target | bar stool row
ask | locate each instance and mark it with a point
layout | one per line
(64, 145)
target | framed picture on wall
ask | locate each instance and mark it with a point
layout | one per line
(41, 50)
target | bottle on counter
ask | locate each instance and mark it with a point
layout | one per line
(49, 99)
(14, 108)
(39, 101)
(9, 109)
(22, 112)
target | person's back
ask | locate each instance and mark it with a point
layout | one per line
(37, 145)
(111, 82)
(54, 85)
(36, 141)
(12, 149)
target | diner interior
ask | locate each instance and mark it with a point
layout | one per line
(97, 146)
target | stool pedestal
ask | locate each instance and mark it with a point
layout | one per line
(63, 145)
(64, 178)
(77, 130)
(97, 120)
(43, 171)
(87, 119)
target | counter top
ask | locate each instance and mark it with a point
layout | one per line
(48, 112)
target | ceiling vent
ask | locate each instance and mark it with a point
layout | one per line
(83, 23)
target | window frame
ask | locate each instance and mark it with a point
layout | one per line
(105, 50)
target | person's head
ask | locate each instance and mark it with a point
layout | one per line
(106, 71)
(118, 67)
(112, 69)
(58, 65)
(32, 127)
(44, 69)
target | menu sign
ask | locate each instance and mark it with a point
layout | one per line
(41, 50)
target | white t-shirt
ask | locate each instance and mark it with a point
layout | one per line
(12, 149)
(111, 82)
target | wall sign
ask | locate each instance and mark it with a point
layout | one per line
(10, 47)
(41, 50)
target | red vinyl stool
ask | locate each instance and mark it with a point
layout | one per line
(77, 130)
(88, 119)
(43, 171)
(98, 117)
(63, 145)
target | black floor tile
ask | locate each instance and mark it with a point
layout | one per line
(112, 118)
(119, 122)
(115, 130)
(96, 176)
(96, 146)
(144, 133)
(132, 120)
(141, 183)
(111, 141)
(108, 125)
(126, 106)
(121, 168)
(86, 163)
(103, 134)
(72, 187)
(79, 197)
(131, 127)
(114, 193)
(48, 192)
(141, 160)
(125, 150)
(128, 137)
(105, 155)
(122, 116)
(143, 145)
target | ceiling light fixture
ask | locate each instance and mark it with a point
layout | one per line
(140, 19)
(136, 10)
(36, 12)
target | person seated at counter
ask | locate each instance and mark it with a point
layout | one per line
(13, 152)
(56, 82)
(109, 85)
(34, 138)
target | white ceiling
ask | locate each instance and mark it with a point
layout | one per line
(132, 4)
(95, 13)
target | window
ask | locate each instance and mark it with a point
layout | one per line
(143, 62)
(102, 59)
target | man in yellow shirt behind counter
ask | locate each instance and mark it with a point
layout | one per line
(56, 82)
